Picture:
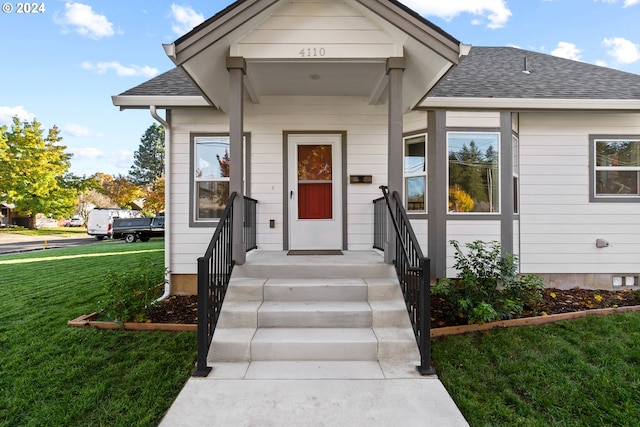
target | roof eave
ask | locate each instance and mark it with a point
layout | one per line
(529, 104)
(133, 101)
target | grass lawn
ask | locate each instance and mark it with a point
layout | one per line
(55, 375)
(583, 372)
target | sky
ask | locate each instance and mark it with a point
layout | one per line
(64, 60)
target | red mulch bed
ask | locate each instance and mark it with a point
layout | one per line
(183, 309)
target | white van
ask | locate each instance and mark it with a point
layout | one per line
(100, 221)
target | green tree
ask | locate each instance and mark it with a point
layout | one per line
(148, 163)
(35, 174)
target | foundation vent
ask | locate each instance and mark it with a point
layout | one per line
(621, 280)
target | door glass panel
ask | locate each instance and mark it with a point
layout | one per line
(315, 188)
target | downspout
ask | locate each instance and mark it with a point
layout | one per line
(167, 201)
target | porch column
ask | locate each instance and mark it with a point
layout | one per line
(437, 190)
(237, 69)
(506, 183)
(395, 167)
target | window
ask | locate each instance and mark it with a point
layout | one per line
(616, 168)
(211, 166)
(415, 174)
(515, 147)
(474, 173)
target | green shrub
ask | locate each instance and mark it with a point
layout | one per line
(488, 287)
(131, 293)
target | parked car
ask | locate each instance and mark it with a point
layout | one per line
(73, 222)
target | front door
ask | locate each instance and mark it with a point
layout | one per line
(315, 196)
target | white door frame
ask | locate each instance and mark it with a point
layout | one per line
(315, 233)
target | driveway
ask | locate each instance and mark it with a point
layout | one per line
(16, 243)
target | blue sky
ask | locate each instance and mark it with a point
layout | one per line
(62, 64)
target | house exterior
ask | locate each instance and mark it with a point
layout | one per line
(310, 106)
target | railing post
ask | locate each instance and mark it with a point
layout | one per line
(202, 370)
(424, 303)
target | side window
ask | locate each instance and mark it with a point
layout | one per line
(415, 173)
(211, 165)
(615, 167)
(474, 172)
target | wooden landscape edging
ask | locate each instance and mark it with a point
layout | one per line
(526, 321)
(85, 320)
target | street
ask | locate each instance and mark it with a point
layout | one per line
(16, 243)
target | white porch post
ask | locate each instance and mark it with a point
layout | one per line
(237, 68)
(395, 168)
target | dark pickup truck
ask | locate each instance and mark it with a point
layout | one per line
(132, 229)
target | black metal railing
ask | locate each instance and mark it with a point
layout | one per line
(414, 271)
(214, 272)
(379, 223)
(250, 208)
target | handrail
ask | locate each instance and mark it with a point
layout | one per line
(413, 271)
(250, 207)
(214, 273)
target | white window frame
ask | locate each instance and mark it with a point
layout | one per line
(594, 168)
(406, 175)
(497, 178)
(194, 179)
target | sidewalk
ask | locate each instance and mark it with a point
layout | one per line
(312, 402)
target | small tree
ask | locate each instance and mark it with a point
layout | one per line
(148, 164)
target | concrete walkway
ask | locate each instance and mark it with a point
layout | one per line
(304, 402)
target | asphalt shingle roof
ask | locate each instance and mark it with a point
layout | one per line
(487, 72)
(497, 72)
(171, 83)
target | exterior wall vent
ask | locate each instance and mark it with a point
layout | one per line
(619, 281)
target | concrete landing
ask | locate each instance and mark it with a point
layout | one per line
(335, 403)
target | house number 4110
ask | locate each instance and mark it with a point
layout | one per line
(311, 52)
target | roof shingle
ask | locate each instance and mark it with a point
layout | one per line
(497, 72)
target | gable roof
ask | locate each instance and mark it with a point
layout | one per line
(498, 77)
(489, 77)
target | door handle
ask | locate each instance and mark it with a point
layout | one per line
(291, 194)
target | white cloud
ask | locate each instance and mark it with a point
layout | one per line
(8, 113)
(567, 50)
(120, 70)
(85, 21)
(623, 50)
(119, 158)
(627, 3)
(77, 130)
(185, 19)
(496, 11)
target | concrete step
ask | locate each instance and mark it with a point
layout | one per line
(312, 314)
(315, 289)
(328, 344)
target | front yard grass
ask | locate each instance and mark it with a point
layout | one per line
(583, 372)
(52, 374)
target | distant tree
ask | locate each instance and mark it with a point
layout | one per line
(148, 163)
(119, 189)
(154, 199)
(33, 171)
